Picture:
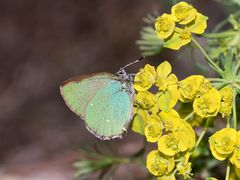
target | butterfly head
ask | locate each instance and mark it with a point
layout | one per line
(123, 75)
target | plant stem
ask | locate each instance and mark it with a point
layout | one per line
(216, 79)
(120, 160)
(210, 61)
(219, 86)
(202, 133)
(227, 171)
(228, 121)
(220, 35)
(237, 67)
(188, 116)
(200, 137)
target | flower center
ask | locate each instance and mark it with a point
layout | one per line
(158, 166)
(204, 105)
(225, 144)
(171, 142)
(182, 11)
(185, 35)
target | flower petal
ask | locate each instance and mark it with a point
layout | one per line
(164, 69)
(199, 25)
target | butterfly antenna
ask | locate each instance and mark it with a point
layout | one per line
(134, 62)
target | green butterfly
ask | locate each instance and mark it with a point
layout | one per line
(103, 100)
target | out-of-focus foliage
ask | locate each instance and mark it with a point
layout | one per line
(221, 40)
(149, 43)
(103, 160)
(233, 3)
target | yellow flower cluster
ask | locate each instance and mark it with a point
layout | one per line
(207, 101)
(156, 119)
(187, 17)
(160, 123)
(226, 144)
(167, 83)
(226, 101)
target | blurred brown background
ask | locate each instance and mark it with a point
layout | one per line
(45, 42)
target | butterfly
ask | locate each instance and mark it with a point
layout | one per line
(103, 100)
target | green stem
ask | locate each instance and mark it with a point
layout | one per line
(237, 67)
(221, 85)
(228, 121)
(202, 133)
(216, 79)
(175, 171)
(234, 110)
(216, 84)
(188, 116)
(225, 34)
(210, 61)
(200, 137)
(227, 171)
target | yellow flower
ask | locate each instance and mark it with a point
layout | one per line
(168, 87)
(185, 170)
(169, 119)
(183, 13)
(199, 25)
(164, 26)
(145, 78)
(185, 134)
(145, 100)
(222, 143)
(181, 138)
(193, 87)
(159, 164)
(139, 121)
(184, 157)
(226, 101)
(168, 144)
(235, 157)
(167, 177)
(207, 105)
(176, 37)
(179, 38)
(153, 130)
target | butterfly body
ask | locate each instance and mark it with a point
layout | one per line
(103, 100)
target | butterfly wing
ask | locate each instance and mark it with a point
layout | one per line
(110, 111)
(78, 91)
(101, 101)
